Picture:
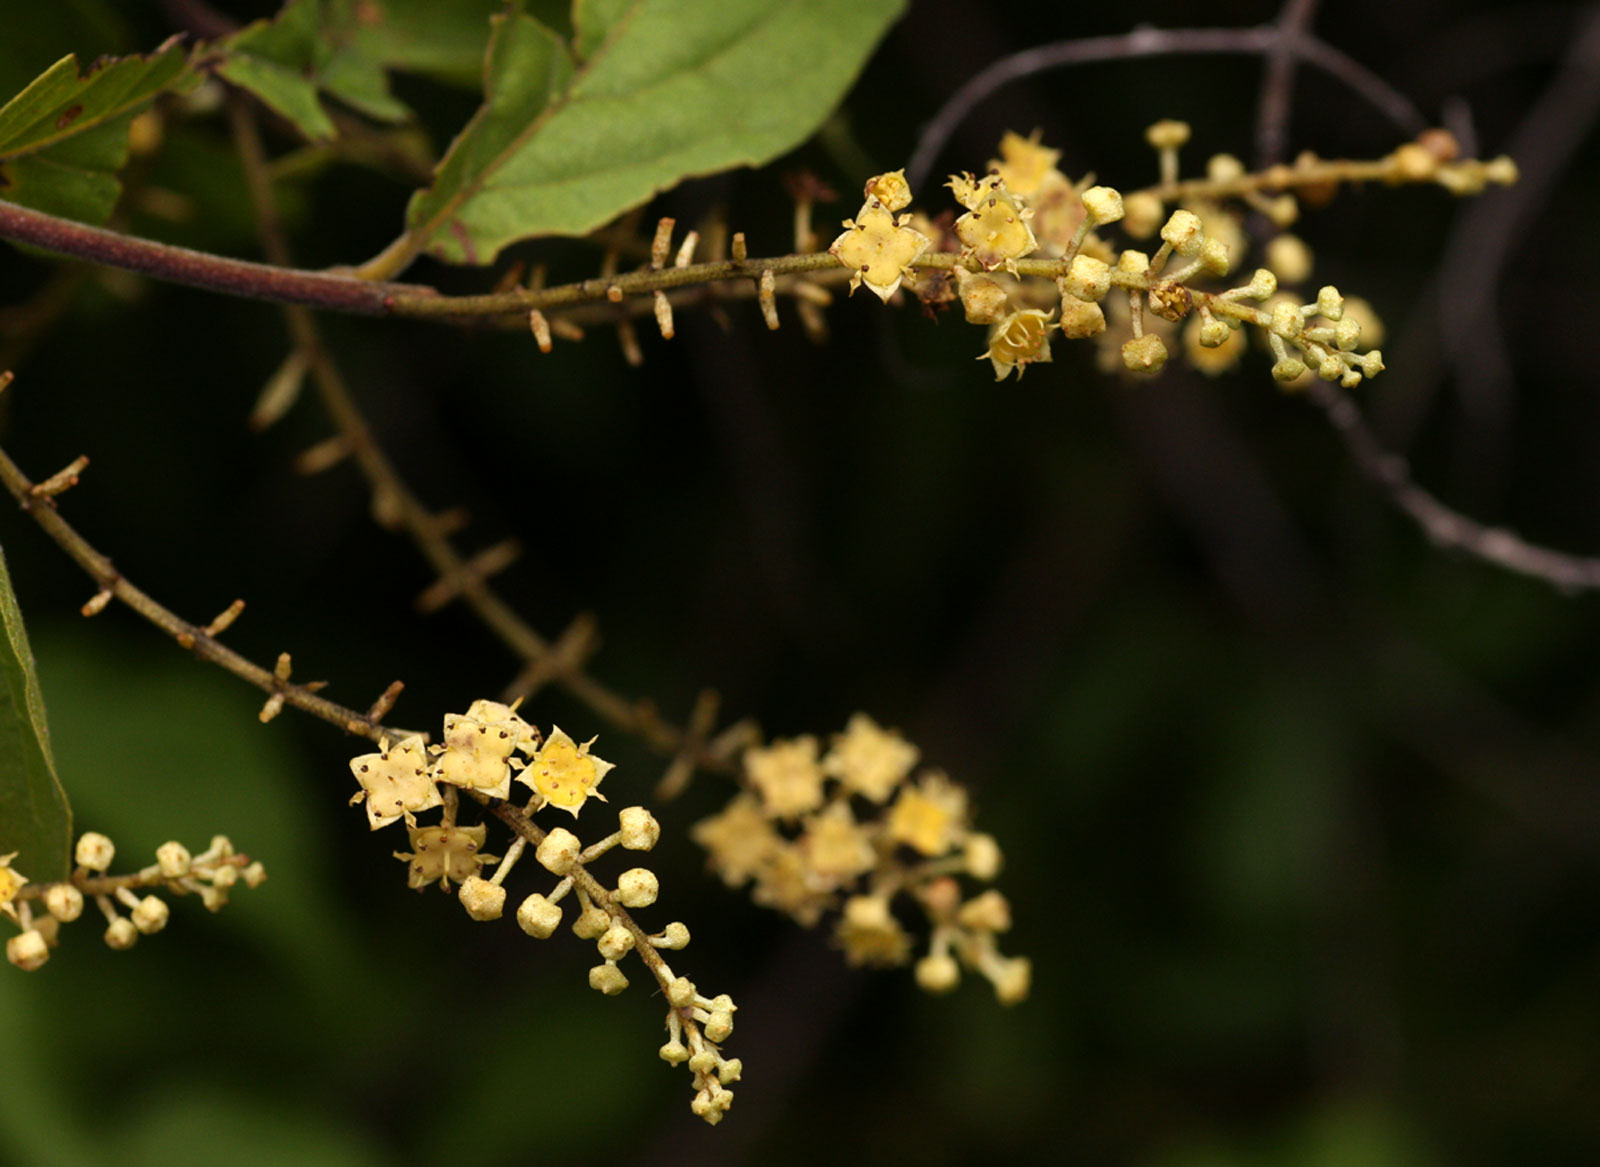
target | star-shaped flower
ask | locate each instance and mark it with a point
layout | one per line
(445, 853)
(565, 772)
(11, 881)
(931, 816)
(476, 752)
(787, 776)
(869, 760)
(878, 248)
(395, 781)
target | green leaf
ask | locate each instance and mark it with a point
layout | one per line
(342, 49)
(35, 820)
(64, 138)
(650, 92)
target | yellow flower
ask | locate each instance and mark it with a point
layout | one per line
(1024, 164)
(868, 760)
(739, 841)
(786, 775)
(878, 248)
(995, 227)
(395, 782)
(930, 816)
(476, 753)
(835, 847)
(565, 772)
(787, 883)
(11, 881)
(445, 853)
(1021, 339)
(870, 934)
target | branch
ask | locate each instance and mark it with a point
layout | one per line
(1155, 42)
(202, 641)
(1445, 527)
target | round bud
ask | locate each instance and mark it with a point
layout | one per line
(719, 1026)
(1087, 278)
(988, 912)
(27, 950)
(674, 936)
(681, 993)
(591, 923)
(981, 854)
(1013, 980)
(1288, 369)
(225, 877)
(538, 917)
(674, 1052)
(607, 978)
(616, 942)
(640, 830)
(730, 1071)
(1103, 204)
(94, 851)
(121, 933)
(1289, 256)
(559, 851)
(938, 972)
(482, 899)
(1167, 134)
(1145, 212)
(64, 902)
(254, 875)
(1185, 232)
(173, 860)
(637, 888)
(151, 915)
(1144, 354)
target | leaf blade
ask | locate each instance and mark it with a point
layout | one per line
(666, 89)
(35, 820)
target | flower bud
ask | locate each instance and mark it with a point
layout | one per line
(95, 851)
(482, 899)
(616, 943)
(1144, 354)
(637, 888)
(64, 902)
(173, 859)
(150, 916)
(538, 917)
(1103, 204)
(640, 830)
(27, 950)
(938, 972)
(607, 978)
(559, 851)
(121, 933)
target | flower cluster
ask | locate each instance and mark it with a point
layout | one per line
(211, 875)
(1026, 207)
(851, 828)
(483, 752)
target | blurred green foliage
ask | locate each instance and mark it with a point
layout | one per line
(1301, 815)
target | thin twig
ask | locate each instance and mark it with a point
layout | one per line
(1154, 42)
(1277, 81)
(42, 509)
(1445, 527)
(426, 532)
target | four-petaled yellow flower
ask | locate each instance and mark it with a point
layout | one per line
(868, 760)
(787, 775)
(1020, 340)
(477, 753)
(878, 248)
(931, 816)
(11, 881)
(565, 772)
(440, 854)
(395, 781)
(995, 228)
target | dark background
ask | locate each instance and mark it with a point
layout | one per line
(1301, 815)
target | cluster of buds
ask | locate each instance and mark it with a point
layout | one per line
(796, 836)
(483, 752)
(211, 875)
(1025, 207)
